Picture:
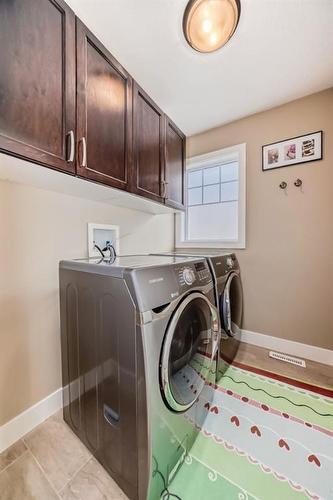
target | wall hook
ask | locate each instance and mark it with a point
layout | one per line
(298, 183)
(283, 185)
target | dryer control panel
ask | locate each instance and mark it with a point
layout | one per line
(224, 264)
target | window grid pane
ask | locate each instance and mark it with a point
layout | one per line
(203, 178)
(211, 194)
(229, 191)
(229, 171)
(211, 175)
(212, 188)
(194, 178)
(194, 196)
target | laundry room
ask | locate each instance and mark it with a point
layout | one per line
(166, 300)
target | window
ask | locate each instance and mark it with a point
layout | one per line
(215, 200)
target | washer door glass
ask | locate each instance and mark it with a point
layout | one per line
(188, 351)
(232, 305)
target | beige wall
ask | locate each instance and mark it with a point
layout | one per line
(38, 228)
(287, 266)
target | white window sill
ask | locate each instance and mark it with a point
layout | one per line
(211, 244)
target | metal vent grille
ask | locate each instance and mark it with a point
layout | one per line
(287, 359)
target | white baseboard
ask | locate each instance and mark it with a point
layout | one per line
(287, 346)
(29, 419)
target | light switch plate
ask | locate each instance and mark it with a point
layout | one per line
(101, 234)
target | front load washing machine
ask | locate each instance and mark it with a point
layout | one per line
(225, 271)
(226, 276)
(139, 338)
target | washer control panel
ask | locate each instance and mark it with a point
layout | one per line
(202, 270)
(188, 276)
(197, 272)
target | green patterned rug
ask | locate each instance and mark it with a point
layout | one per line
(261, 439)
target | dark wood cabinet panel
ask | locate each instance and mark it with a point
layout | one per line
(104, 101)
(37, 81)
(66, 103)
(147, 177)
(174, 165)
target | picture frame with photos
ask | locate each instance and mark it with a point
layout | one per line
(293, 151)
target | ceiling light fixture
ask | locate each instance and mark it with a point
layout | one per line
(209, 24)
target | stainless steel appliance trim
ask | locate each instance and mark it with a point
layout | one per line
(145, 317)
(226, 308)
(167, 347)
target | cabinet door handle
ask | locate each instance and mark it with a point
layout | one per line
(84, 152)
(71, 147)
(166, 190)
(164, 184)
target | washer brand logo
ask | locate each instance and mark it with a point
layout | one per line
(174, 294)
(218, 263)
(155, 280)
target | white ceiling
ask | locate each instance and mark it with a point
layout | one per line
(282, 50)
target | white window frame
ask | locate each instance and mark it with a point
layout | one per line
(238, 153)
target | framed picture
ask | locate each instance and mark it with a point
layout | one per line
(292, 151)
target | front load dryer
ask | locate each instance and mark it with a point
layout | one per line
(229, 291)
(139, 337)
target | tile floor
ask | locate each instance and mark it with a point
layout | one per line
(51, 463)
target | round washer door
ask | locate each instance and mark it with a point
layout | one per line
(232, 305)
(188, 350)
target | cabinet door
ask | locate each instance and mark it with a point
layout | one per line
(37, 81)
(104, 99)
(148, 150)
(174, 165)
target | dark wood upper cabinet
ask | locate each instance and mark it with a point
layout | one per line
(174, 165)
(104, 113)
(147, 177)
(66, 103)
(37, 81)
